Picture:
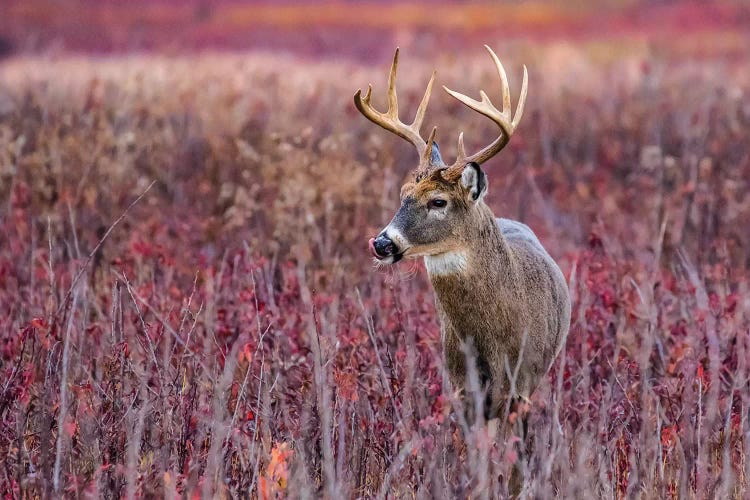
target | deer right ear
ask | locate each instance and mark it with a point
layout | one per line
(474, 180)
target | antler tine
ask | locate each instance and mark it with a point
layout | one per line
(390, 120)
(503, 79)
(368, 94)
(392, 97)
(522, 98)
(503, 119)
(417, 123)
(461, 152)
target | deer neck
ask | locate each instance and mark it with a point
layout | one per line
(482, 248)
(476, 275)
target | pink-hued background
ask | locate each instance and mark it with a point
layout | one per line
(188, 307)
(355, 29)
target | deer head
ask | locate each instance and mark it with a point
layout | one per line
(438, 208)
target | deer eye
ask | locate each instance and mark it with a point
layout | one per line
(436, 203)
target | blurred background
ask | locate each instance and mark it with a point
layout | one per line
(186, 195)
(224, 84)
(357, 29)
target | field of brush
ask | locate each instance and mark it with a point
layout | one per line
(188, 305)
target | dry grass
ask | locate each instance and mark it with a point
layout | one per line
(231, 337)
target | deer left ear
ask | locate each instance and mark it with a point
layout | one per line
(474, 180)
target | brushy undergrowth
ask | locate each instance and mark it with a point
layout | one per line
(230, 336)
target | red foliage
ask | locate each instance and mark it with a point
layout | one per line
(231, 335)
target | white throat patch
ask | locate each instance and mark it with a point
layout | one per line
(446, 263)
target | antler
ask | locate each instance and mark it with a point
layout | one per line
(390, 121)
(503, 119)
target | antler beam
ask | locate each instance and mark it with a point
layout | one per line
(390, 120)
(503, 119)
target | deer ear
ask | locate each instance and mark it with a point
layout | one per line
(473, 179)
(435, 159)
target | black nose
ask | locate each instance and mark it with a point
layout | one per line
(383, 246)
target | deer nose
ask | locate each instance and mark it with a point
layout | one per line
(382, 246)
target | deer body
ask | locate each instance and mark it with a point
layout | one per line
(496, 301)
(502, 300)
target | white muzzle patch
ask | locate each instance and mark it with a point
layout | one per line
(397, 238)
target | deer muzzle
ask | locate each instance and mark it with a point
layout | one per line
(384, 249)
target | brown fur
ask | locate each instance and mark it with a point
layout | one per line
(496, 287)
(509, 288)
(500, 296)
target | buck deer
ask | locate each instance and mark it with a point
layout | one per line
(496, 287)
